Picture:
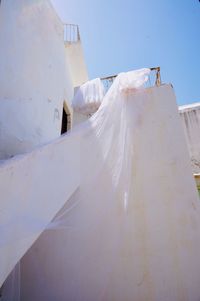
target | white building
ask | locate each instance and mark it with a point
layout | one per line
(41, 63)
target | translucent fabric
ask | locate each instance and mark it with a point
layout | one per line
(96, 224)
(104, 165)
(107, 149)
(88, 97)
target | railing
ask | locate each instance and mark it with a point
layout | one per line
(71, 33)
(109, 79)
(158, 76)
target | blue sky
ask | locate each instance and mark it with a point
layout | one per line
(122, 35)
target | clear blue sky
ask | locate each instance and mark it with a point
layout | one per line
(121, 35)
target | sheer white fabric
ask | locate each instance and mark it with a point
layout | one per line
(96, 222)
(88, 97)
(106, 144)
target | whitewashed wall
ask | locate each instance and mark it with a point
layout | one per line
(76, 62)
(34, 75)
(78, 71)
(190, 117)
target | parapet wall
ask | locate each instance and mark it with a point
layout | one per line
(190, 117)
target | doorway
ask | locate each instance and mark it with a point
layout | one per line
(66, 120)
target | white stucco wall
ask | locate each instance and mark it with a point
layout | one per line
(77, 65)
(34, 75)
(190, 117)
(163, 262)
(34, 187)
(78, 71)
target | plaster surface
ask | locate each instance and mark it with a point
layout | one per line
(76, 62)
(34, 75)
